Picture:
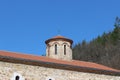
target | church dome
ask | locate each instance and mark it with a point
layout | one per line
(57, 38)
(59, 47)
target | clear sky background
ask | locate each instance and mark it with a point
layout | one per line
(26, 24)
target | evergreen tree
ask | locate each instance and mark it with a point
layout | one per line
(105, 49)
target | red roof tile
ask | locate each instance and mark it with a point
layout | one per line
(46, 59)
(59, 37)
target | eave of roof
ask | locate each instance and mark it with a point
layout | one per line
(74, 65)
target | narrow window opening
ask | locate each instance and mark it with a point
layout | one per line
(64, 49)
(55, 48)
(17, 78)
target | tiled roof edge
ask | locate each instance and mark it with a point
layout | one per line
(58, 65)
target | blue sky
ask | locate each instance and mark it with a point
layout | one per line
(26, 24)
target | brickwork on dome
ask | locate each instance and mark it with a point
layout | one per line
(29, 72)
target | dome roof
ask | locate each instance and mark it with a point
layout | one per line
(57, 38)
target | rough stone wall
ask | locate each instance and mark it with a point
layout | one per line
(29, 72)
(50, 51)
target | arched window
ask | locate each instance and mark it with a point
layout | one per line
(50, 78)
(64, 49)
(55, 48)
(17, 78)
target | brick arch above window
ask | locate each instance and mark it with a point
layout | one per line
(66, 44)
(55, 43)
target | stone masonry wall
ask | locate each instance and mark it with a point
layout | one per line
(29, 72)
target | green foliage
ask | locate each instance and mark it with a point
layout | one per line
(105, 49)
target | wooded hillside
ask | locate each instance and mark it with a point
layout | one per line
(105, 49)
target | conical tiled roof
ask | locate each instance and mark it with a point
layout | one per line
(57, 38)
